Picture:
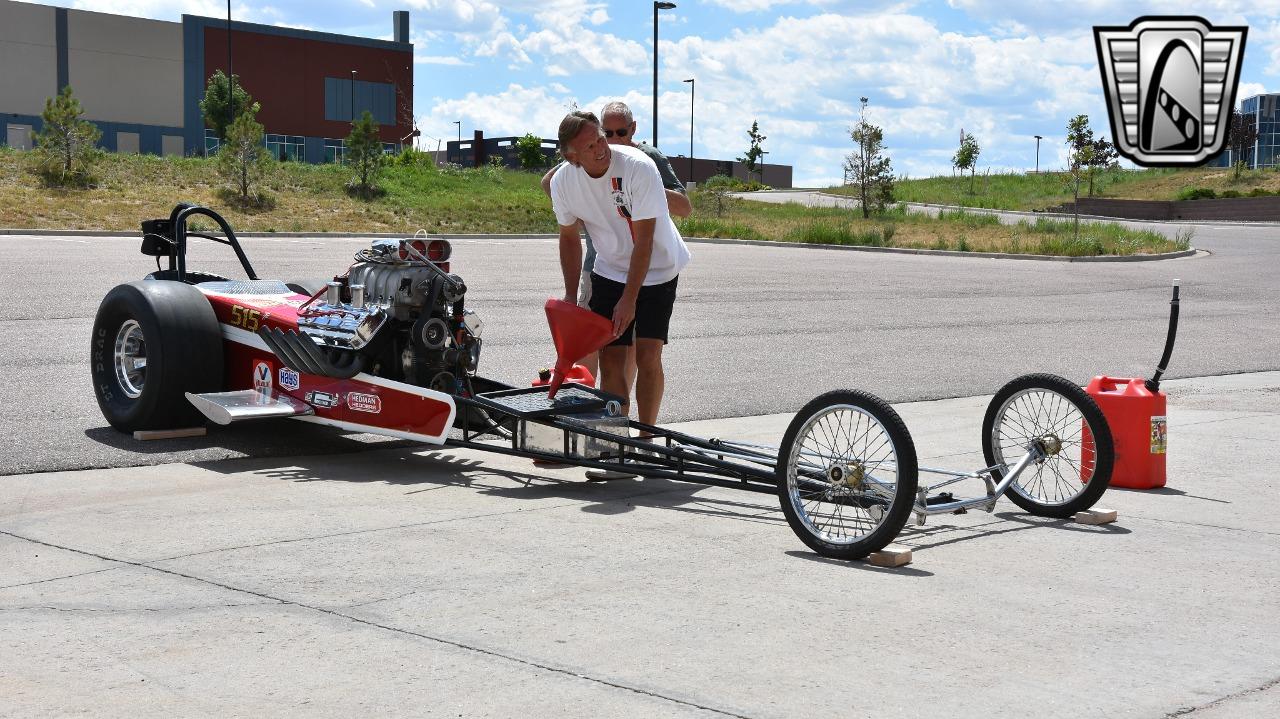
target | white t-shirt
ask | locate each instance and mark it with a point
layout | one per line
(630, 190)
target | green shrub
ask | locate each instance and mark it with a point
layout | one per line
(1229, 194)
(1259, 192)
(1197, 193)
(413, 157)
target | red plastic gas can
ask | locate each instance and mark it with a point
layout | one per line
(1138, 424)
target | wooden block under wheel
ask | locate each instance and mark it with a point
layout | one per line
(1095, 516)
(894, 555)
(147, 434)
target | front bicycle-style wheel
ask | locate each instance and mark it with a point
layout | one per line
(1070, 431)
(846, 474)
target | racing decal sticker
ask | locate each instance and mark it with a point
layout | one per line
(361, 402)
(262, 376)
(1159, 435)
(325, 400)
(620, 198)
(289, 379)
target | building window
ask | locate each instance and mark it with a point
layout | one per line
(335, 150)
(210, 142)
(286, 147)
(388, 148)
(379, 98)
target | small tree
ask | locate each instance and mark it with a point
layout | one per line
(66, 147)
(1093, 154)
(966, 158)
(1244, 132)
(243, 161)
(869, 167)
(365, 155)
(529, 149)
(219, 106)
(754, 154)
(1080, 160)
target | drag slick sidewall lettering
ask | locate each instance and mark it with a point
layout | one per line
(183, 354)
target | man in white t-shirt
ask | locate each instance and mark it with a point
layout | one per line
(617, 193)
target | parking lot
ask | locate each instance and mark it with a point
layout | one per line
(286, 570)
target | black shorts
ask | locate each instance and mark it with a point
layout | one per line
(653, 307)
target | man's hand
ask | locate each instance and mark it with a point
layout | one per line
(623, 314)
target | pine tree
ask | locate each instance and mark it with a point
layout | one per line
(364, 155)
(216, 106)
(243, 160)
(869, 168)
(66, 147)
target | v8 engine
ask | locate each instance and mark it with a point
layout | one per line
(398, 313)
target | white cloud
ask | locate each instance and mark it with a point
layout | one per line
(600, 16)
(461, 16)
(513, 111)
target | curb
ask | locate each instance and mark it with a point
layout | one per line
(1065, 215)
(702, 240)
(952, 253)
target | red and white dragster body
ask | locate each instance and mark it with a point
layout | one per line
(364, 402)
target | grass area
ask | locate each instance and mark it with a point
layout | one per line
(309, 198)
(953, 230)
(1029, 191)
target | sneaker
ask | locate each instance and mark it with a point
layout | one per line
(604, 475)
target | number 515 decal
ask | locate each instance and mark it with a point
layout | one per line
(246, 318)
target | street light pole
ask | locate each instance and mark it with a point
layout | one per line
(1038, 139)
(656, 7)
(231, 82)
(353, 97)
(693, 86)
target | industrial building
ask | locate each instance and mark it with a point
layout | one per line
(477, 152)
(141, 81)
(1263, 111)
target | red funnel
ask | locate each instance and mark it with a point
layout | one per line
(576, 332)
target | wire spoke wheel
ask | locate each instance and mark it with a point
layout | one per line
(846, 474)
(1066, 425)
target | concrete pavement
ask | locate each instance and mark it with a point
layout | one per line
(453, 583)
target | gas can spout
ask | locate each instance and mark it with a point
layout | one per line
(1153, 384)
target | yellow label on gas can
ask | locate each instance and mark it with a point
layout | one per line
(1159, 435)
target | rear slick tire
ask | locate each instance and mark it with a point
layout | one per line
(152, 342)
(1053, 410)
(847, 474)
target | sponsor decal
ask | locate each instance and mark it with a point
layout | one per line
(289, 379)
(262, 376)
(1170, 84)
(1159, 435)
(326, 400)
(361, 402)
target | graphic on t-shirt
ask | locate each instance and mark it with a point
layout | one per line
(620, 199)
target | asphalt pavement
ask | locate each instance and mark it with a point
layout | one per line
(757, 329)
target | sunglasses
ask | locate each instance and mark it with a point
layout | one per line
(620, 132)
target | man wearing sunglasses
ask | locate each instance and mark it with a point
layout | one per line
(617, 192)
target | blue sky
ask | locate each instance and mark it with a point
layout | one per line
(1002, 71)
